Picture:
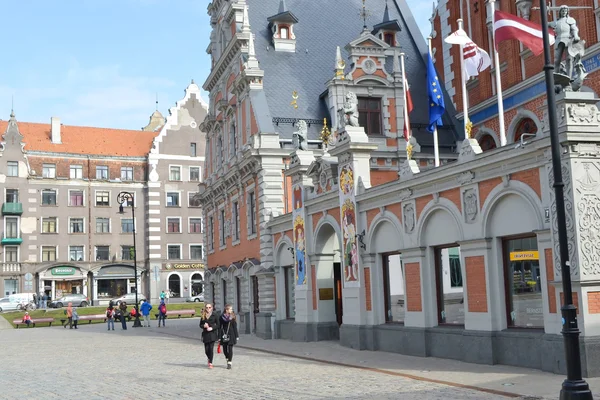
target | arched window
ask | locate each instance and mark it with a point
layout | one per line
(389, 39)
(284, 32)
(175, 285)
(487, 142)
(526, 125)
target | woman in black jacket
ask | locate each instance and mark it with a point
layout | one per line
(228, 333)
(210, 331)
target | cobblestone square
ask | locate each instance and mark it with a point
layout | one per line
(152, 363)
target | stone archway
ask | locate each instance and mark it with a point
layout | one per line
(328, 274)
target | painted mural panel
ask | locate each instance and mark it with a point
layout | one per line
(348, 220)
(298, 233)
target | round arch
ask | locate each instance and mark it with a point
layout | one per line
(524, 193)
(387, 224)
(487, 139)
(175, 284)
(521, 115)
(433, 219)
(377, 80)
(283, 257)
(330, 222)
(196, 283)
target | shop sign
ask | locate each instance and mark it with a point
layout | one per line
(184, 266)
(531, 255)
(62, 271)
(116, 270)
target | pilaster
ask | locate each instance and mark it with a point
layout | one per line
(413, 262)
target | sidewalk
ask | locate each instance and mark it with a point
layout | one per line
(4, 324)
(501, 379)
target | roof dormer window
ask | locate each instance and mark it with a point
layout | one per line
(284, 32)
(282, 27)
(390, 39)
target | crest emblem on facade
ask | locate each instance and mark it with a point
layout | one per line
(409, 218)
(470, 204)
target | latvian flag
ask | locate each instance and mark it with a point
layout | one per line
(508, 26)
(409, 108)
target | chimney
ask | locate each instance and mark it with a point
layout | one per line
(55, 130)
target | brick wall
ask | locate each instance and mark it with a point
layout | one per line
(549, 277)
(594, 302)
(63, 165)
(453, 195)
(486, 187)
(313, 285)
(476, 285)
(531, 178)
(575, 300)
(412, 271)
(421, 202)
(368, 289)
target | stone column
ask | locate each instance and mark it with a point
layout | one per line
(415, 272)
(550, 303)
(266, 316)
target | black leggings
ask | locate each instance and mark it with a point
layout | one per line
(228, 351)
(209, 350)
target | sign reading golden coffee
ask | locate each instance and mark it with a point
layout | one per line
(184, 266)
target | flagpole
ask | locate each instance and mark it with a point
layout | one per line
(498, 80)
(436, 147)
(406, 120)
(464, 86)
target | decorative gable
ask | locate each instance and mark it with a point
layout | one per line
(367, 57)
(324, 174)
(282, 29)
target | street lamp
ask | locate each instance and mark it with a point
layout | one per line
(574, 387)
(128, 197)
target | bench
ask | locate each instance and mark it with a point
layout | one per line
(34, 321)
(90, 318)
(179, 313)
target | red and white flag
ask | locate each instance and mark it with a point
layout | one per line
(409, 108)
(476, 59)
(508, 26)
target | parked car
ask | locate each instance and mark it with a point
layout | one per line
(199, 298)
(78, 300)
(128, 298)
(7, 305)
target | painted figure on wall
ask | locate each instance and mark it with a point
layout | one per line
(299, 249)
(347, 180)
(297, 197)
(350, 249)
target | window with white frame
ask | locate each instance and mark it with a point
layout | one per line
(75, 253)
(12, 168)
(235, 221)
(196, 252)
(127, 253)
(127, 225)
(12, 227)
(222, 227)
(76, 171)
(49, 225)
(194, 174)
(251, 212)
(126, 173)
(195, 225)
(76, 225)
(193, 200)
(11, 254)
(48, 197)
(48, 253)
(174, 173)
(102, 253)
(192, 149)
(174, 252)
(48, 170)
(12, 195)
(102, 198)
(102, 172)
(76, 198)
(172, 199)
(102, 225)
(174, 225)
(129, 201)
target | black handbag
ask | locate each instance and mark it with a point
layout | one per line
(225, 338)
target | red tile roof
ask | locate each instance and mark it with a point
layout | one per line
(85, 140)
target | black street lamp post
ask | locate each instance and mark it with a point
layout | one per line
(574, 387)
(128, 197)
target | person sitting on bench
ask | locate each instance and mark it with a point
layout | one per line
(27, 319)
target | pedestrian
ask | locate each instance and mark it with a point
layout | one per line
(228, 333)
(146, 307)
(162, 295)
(167, 296)
(162, 313)
(75, 318)
(209, 323)
(27, 319)
(69, 314)
(36, 300)
(123, 313)
(110, 317)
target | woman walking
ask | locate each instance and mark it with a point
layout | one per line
(228, 333)
(210, 330)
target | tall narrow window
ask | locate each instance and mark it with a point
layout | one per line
(290, 288)
(393, 288)
(12, 227)
(251, 213)
(232, 139)
(12, 168)
(211, 233)
(389, 39)
(369, 115)
(235, 221)
(222, 227)
(284, 32)
(193, 149)
(450, 296)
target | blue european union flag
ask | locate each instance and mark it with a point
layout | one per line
(436, 96)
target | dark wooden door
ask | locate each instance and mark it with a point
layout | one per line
(255, 305)
(337, 292)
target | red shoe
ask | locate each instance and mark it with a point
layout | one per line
(210, 366)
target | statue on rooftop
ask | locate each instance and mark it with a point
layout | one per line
(301, 136)
(570, 73)
(350, 110)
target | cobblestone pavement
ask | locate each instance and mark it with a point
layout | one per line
(147, 363)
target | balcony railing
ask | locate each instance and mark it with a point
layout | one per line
(11, 267)
(12, 209)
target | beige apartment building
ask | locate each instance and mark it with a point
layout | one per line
(61, 227)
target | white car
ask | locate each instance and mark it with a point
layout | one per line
(7, 305)
(196, 299)
(128, 298)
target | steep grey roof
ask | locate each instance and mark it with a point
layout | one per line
(321, 27)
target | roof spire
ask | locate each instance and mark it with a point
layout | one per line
(246, 23)
(282, 6)
(339, 64)
(386, 13)
(12, 107)
(364, 14)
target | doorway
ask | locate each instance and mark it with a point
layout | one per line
(255, 298)
(337, 292)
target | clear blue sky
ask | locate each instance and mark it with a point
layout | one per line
(102, 62)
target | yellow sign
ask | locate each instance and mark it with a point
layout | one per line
(185, 266)
(524, 255)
